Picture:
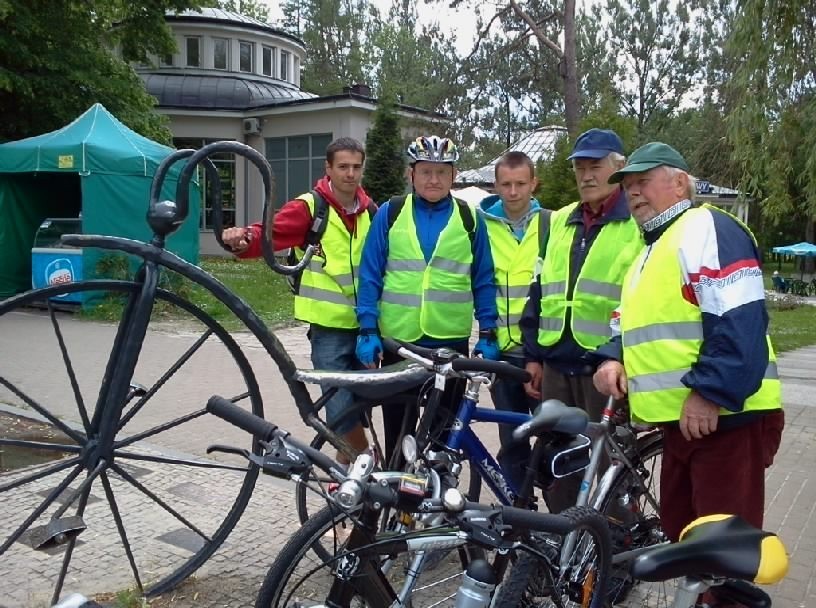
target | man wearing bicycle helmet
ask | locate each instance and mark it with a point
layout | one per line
(426, 269)
(325, 292)
(693, 354)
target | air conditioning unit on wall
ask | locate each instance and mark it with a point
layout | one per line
(252, 126)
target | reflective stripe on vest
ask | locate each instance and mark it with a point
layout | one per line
(514, 263)
(597, 288)
(328, 286)
(433, 299)
(662, 334)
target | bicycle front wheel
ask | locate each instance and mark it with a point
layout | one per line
(581, 581)
(298, 578)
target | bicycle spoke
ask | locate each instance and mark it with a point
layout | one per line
(55, 468)
(139, 486)
(164, 378)
(43, 412)
(190, 463)
(42, 445)
(158, 429)
(86, 422)
(120, 526)
(40, 509)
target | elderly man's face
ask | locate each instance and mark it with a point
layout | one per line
(652, 192)
(592, 176)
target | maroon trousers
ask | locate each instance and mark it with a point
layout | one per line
(721, 473)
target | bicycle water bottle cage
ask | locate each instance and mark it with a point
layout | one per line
(284, 460)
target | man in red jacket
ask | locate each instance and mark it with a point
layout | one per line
(327, 295)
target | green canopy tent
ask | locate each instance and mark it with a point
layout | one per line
(95, 168)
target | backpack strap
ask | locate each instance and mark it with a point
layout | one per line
(396, 203)
(544, 217)
(320, 219)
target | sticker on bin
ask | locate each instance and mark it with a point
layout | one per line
(59, 272)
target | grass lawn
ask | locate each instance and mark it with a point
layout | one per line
(265, 292)
(792, 328)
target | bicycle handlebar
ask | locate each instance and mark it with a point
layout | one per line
(266, 431)
(430, 357)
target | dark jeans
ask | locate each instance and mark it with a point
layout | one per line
(509, 396)
(333, 349)
(394, 413)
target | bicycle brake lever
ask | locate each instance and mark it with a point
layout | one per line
(228, 449)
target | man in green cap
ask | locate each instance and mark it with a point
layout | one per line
(692, 353)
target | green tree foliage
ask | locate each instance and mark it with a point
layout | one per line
(385, 165)
(772, 124)
(656, 48)
(250, 8)
(338, 35)
(57, 60)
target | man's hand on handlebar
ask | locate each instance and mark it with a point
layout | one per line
(610, 379)
(369, 348)
(237, 239)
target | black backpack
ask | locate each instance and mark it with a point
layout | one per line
(396, 203)
(320, 220)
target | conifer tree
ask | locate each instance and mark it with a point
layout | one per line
(385, 164)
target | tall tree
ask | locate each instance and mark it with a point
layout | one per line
(250, 8)
(338, 35)
(385, 166)
(773, 125)
(657, 52)
(50, 74)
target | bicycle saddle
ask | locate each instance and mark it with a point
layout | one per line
(553, 416)
(718, 546)
(374, 384)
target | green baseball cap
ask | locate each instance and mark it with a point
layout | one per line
(647, 157)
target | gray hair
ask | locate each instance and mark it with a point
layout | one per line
(691, 186)
(613, 158)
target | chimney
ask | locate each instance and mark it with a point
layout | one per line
(358, 88)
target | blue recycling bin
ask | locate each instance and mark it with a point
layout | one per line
(53, 263)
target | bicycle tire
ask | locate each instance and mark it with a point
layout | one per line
(171, 573)
(642, 531)
(296, 569)
(532, 582)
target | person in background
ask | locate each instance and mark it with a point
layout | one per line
(327, 292)
(512, 217)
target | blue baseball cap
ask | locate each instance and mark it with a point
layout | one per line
(596, 143)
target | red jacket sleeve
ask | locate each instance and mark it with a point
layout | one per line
(289, 228)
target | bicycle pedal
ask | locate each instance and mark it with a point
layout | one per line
(56, 532)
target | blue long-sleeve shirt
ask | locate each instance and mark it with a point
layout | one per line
(430, 219)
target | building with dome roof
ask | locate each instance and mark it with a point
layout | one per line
(236, 78)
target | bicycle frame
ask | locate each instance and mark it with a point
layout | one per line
(463, 438)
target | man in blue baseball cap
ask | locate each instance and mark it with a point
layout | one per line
(590, 246)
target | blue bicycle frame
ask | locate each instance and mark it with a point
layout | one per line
(463, 438)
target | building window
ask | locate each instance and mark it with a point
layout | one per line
(297, 162)
(225, 165)
(193, 44)
(268, 53)
(247, 51)
(220, 53)
(296, 70)
(284, 65)
(166, 61)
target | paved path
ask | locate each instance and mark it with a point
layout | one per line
(29, 359)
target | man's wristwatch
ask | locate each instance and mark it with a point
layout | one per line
(489, 334)
(368, 331)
